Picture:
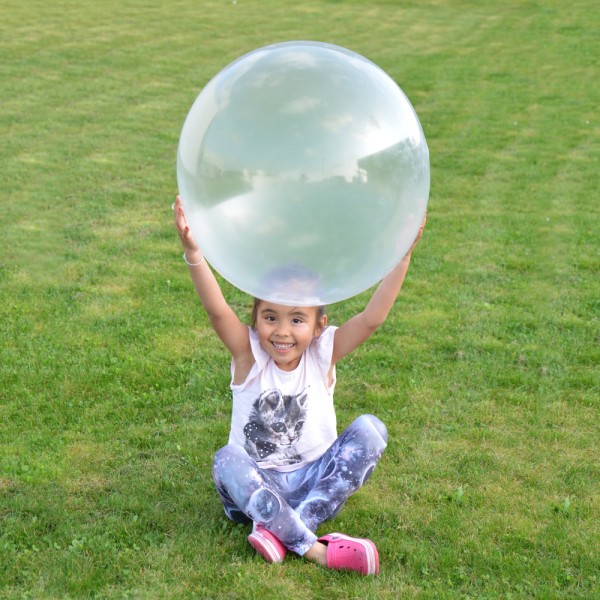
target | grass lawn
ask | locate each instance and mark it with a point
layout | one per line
(114, 390)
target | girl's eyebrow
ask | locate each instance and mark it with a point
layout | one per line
(295, 312)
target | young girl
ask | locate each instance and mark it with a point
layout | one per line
(285, 468)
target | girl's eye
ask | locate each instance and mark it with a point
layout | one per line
(297, 321)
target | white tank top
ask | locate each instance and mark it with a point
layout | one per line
(286, 419)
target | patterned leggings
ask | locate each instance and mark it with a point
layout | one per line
(292, 505)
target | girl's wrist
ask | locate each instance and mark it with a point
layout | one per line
(193, 258)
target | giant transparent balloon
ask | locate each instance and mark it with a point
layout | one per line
(304, 173)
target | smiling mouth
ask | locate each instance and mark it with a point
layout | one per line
(282, 347)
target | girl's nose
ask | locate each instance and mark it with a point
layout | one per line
(282, 329)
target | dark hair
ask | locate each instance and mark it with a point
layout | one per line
(256, 304)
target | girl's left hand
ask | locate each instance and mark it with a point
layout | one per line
(419, 234)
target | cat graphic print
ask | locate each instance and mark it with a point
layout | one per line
(275, 426)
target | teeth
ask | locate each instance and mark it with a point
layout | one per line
(282, 346)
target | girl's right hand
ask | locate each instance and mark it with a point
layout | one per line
(183, 229)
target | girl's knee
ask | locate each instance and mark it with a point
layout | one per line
(227, 458)
(373, 426)
(229, 453)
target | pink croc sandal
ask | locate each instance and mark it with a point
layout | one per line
(267, 545)
(354, 554)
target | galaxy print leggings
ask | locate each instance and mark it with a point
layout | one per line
(292, 505)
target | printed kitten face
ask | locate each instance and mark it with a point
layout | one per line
(284, 415)
(275, 425)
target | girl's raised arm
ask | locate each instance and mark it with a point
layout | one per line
(227, 325)
(356, 330)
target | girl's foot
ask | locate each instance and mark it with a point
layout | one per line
(267, 545)
(354, 554)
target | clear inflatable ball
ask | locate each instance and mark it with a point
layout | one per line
(304, 173)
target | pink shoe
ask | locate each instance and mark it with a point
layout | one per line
(267, 545)
(355, 554)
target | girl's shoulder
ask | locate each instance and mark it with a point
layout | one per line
(326, 337)
(261, 356)
(322, 346)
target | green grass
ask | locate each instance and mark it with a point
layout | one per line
(114, 392)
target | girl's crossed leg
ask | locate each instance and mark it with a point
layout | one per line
(292, 505)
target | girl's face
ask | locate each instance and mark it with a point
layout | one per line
(285, 332)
